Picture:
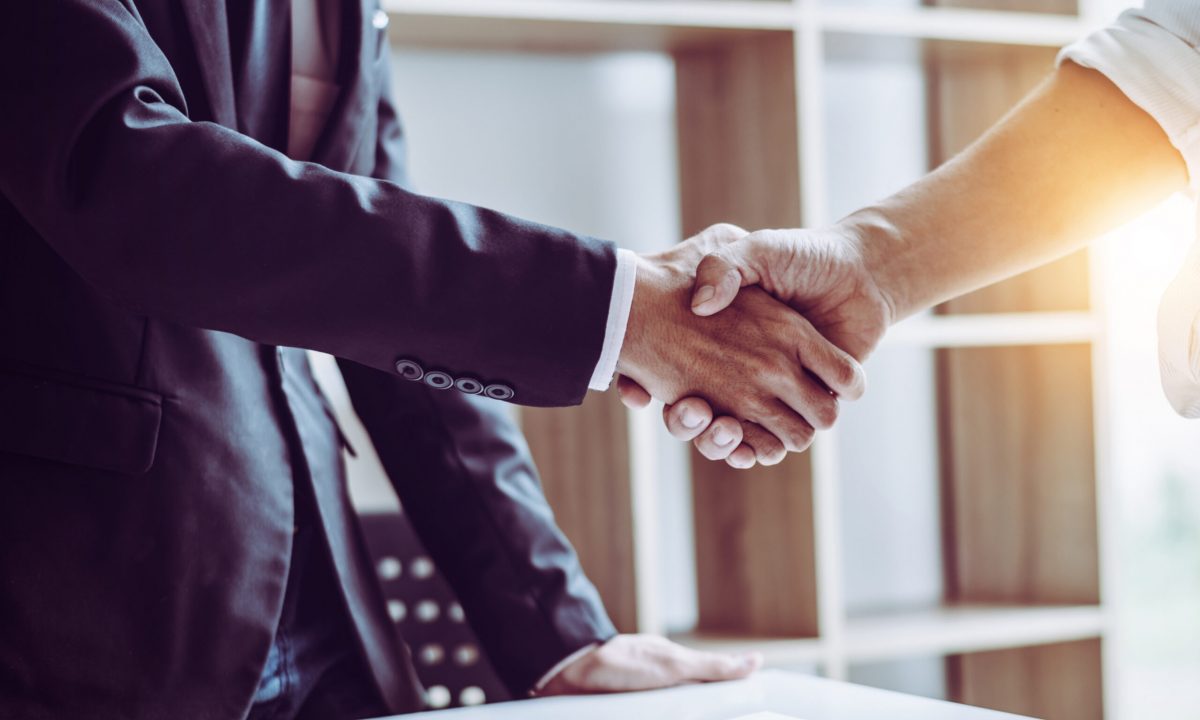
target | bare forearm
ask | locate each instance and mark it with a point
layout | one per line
(1072, 161)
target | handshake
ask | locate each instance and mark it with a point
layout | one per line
(770, 363)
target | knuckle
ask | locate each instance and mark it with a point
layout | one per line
(675, 666)
(732, 276)
(799, 438)
(826, 412)
(846, 373)
(772, 456)
(728, 231)
(806, 443)
(788, 429)
(768, 448)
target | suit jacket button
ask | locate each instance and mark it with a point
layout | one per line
(409, 370)
(438, 380)
(498, 391)
(470, 386)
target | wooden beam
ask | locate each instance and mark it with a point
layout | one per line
(738, 157)
(583, 456)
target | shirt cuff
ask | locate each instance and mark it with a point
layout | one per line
(618, 317)
(561, 665)
(1148, 57)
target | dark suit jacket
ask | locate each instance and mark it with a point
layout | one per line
(155, 266)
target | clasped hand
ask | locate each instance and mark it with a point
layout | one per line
(750, 375)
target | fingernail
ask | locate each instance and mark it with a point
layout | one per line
(722, 436)
(691, 418)
(703, 295)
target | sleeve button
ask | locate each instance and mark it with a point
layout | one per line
(409, 370)
(498, 391)
(438, 380)
(470, 386)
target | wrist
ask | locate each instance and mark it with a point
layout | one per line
(879, 244)
(654, 279)
(556, 678)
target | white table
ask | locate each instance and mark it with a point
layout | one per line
(789, 694)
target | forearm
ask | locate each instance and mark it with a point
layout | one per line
(1075, 159)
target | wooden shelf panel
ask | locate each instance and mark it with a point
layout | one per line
(959, 629)
(1060, 681)
(1019, 476)
(995, 330)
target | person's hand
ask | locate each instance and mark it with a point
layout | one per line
(819, 273)
(758, 361)
(720, 439)
(629, 663)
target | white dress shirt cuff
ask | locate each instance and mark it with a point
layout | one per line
(1148, 55)
(618, 317)
(562, 665)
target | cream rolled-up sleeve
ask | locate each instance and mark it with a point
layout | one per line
(1153, 55)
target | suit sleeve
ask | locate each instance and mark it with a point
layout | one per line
(466, 479)
(193, 223)
(469, 487)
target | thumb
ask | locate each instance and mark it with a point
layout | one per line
(720, 275)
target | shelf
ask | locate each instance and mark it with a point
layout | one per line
(968, 628)
(592, 25)
(746, 15)
(979, 26)
(941, 631)
(580, 25)
(777, 652)
(994, 329)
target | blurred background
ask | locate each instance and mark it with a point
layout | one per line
(1011, 517)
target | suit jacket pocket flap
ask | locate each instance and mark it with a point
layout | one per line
(79, 421)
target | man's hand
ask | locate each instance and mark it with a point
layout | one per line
(758, 361)
(818, 273)
(646, 662)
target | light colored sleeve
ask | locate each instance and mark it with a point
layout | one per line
(618, 318)
(1152, 55)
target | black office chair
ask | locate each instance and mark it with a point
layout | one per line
(449, 662)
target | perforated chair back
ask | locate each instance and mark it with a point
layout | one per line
(428, 617)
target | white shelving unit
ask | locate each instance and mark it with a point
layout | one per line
(995, 329)
(836, 640)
